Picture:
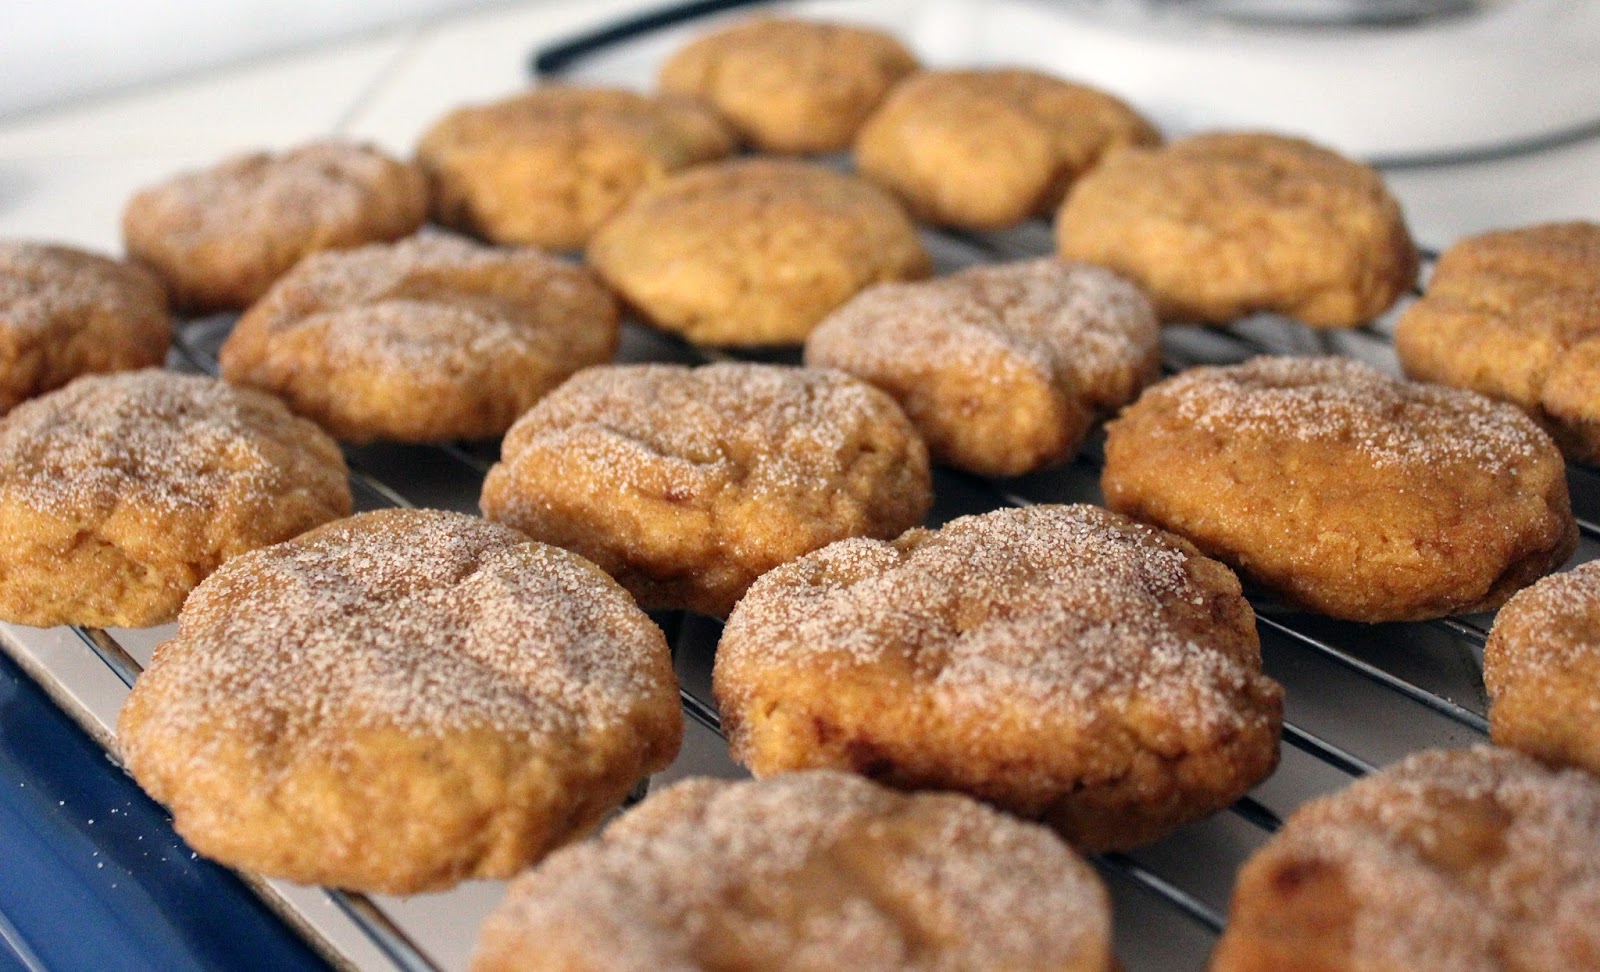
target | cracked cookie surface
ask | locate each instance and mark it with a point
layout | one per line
(400, 701)
(119, 493)
(686, 484)
(1061, 662)
(809, 872)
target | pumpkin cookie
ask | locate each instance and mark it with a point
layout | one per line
(549, 166)
(426, 339)
(400, 701)
(988, 149)
(1515, 315)
(686, 484)
(65, 313)
(219, 237)
(1476, 860)
(789, 85)
(1002, 368)
(1542, 668)
(1346, 491)
(1217, 226)
(1061, 662)
(119, 493)
(803, 873)
(754, 252)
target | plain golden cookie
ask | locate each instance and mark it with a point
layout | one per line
(217, 238)
(65, 313)
(1001, 368)
(1476, 860)
(1217, 226)
(988, 149)
(686, 484)
(1515, 315)
(400, 701)
(1542, 668)
(431, 338)
(810, 872)
(550, 165)
(1344, 490)
(789, 85)
(1060, 662)
(119, 493)
(754, 252)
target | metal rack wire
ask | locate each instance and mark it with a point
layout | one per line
(1358, 695)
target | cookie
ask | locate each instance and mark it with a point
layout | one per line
(1515, 314)
(400, 701)
(804, 873)
(686, 484)
(217, 238)
(986, 149)
(550, 165)
(1541, 666)
(1476, 860)
(1002, 368)
(430, 338)
(754, 252)
(1060, 662)
(789, 85)
(119, 493)
(1217, 226)
(1344, 490)
(65, 313)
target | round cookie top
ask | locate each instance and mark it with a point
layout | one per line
(1471, 860)
(65, 313)
(755, 251)
(119, 493)
(790, 85)
(1541, 666)
(1515, 314)
(399, 670)
(985, 149)
(550, 165)
(1344, 489)
(430, 338)
(1068, 641)
(1001, 367)
(806, 871)
(1220, 225)
(687, 483)
(219, 237)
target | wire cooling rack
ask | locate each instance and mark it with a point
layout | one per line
(1358, 696)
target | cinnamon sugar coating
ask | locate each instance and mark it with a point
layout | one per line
(430, 338)
(807, 872)
(756, 251)
(686, 484)
(1344, 490)
(1217, 226)
(399, 701)
(119, 493)
(1515, 315)
(217, 238)
(790, 85)
(986, 149)
(548, 166)
(1476, 860)
(1002, 368)
(65, 313)
(1061, 662)
(1542, 668)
